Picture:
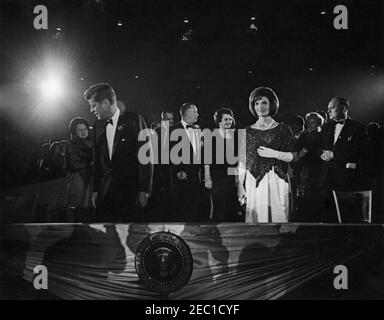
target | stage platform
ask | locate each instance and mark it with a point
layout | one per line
(230, 260)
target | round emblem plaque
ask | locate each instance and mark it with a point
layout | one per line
(164, 262)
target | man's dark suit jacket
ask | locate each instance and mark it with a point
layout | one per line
(123, 176)
(187, 194)
(350, 147)
(161, 177)
(160, 204)
(193, 171)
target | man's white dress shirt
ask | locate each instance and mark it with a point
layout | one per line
(111, 130)
(191, 135)
(338, 129)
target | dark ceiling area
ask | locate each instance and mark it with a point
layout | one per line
(159, 54)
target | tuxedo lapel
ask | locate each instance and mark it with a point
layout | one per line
(179, 126)
(331, 135)
(101, 128)
(102, 139)
(184, 137)
(118, 133)
(189, 139)
(343, 132)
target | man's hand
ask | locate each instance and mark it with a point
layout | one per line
(142, 198)
(93, 199)
(182, 175)
(350, 165)
(327, 155)
(303, 152)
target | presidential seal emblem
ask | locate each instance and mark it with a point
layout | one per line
(164, 262)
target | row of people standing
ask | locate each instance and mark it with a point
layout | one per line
(334, 158)
(259, 181)
(204, 191)
(185, 191)
(52, 163)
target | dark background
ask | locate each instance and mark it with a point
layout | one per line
(295, 50)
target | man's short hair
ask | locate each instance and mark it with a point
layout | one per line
(260, 92)
(154, 125)
(340, 101)
(99, 92)
(164, 112)
(185, 106)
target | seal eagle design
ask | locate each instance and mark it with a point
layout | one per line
(164, 262)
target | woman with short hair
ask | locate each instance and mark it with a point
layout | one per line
(79, 158)
(310, 145)
(220, 176)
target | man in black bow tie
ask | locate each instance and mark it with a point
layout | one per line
(160, 202)
(344, 150)
(187, 186)
(121, 183)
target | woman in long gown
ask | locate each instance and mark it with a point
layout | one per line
(218, 176)
(267, 147)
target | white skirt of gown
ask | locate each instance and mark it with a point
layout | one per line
(269, 202)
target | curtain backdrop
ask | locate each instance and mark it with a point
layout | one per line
(231, 260)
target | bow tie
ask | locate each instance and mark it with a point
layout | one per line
(340, 122)
(190, 126)
(109, 121)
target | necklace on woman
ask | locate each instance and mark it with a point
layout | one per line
(264, 126)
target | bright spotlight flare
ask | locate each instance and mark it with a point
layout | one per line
(52, 87)
(51, 80)
(48, 85)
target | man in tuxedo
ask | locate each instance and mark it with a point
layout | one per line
(167, 118)
(162, 133)
(187, 187)
(343, 154)
(121, 183)
(160, 204)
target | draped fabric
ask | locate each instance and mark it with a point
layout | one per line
(231, 260)
(279, 138)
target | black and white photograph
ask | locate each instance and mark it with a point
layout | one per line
(191, 155)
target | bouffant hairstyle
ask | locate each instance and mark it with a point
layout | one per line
(54, 146)
(317, 116)
(218, 116)
(74, 123)
(260, 92)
